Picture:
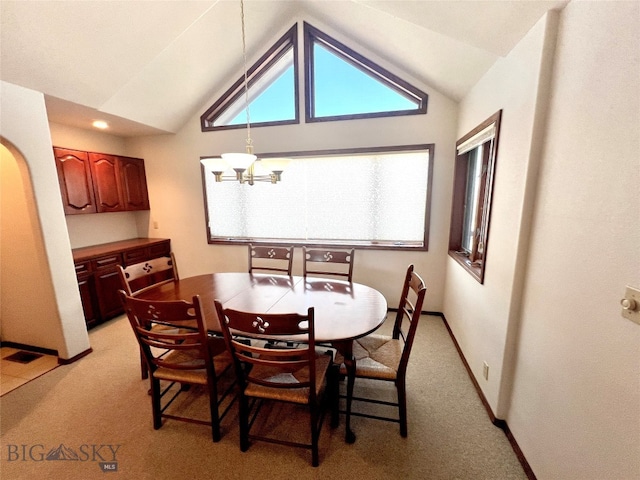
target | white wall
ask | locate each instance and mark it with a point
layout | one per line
(564, 241)
(177, 203)
(480, 314)
(64, 328)
(575, 409)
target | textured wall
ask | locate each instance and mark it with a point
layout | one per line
(575, 408)
(60, 325)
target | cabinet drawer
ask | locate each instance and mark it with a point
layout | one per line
(136, 256)
(108, 261)
(160, 250)
(83, 268)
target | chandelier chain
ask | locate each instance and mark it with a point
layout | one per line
(246, 79)
(246, 166)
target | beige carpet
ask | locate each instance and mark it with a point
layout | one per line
(99, 410)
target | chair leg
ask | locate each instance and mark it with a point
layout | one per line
(143, 366)
(244, 423)
(213, 407)
(314, 435)
(333, 392)
(402, 407)
(350, 437)
(155, 403)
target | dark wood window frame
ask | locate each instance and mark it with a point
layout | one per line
(288, 41)
(312, 36)
(474, 259)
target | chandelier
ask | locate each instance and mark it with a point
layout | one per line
(248, 167)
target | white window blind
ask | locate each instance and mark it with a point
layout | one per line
(478, 139)
(358, 199)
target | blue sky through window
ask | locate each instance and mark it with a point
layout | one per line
(348, 86)
(274, 104)
(342, 89)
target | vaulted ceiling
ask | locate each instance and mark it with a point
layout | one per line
(148, 66)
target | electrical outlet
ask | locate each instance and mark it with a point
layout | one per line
(155, 224)
(485, 370)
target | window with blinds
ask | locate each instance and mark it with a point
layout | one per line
(375, 199)
(476, 155)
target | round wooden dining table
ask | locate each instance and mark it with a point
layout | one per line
(344, 310)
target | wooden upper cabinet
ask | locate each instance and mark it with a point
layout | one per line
(98, 182)
(74, 176)
(105, 170)
(134, 184)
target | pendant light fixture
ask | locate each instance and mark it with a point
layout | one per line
(247, 166)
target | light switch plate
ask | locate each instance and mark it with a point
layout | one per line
(631, 298)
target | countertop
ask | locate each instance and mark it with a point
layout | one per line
(86, 253)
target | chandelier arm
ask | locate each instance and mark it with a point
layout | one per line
(270, 178)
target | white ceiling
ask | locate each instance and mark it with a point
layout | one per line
(146, 67)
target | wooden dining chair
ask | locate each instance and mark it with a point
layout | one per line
(139, 276)
(325, 261)
(271, 259)
(179, 356)
(385, 358)
(295, 375)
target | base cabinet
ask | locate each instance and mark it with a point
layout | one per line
(98, 277)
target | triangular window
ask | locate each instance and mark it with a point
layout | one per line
(342, 84)
(272, 93)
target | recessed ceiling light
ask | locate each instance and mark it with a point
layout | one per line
(100, 124)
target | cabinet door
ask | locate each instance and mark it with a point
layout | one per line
(74, 176)
(105, 171)
(107, 285)
(87, 287)
(162, 249)
(88, 295)
(134, 183)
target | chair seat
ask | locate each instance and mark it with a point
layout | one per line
(293, 395)
(190, 358)
(377, 356)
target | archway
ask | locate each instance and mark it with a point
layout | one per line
(40, 300)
